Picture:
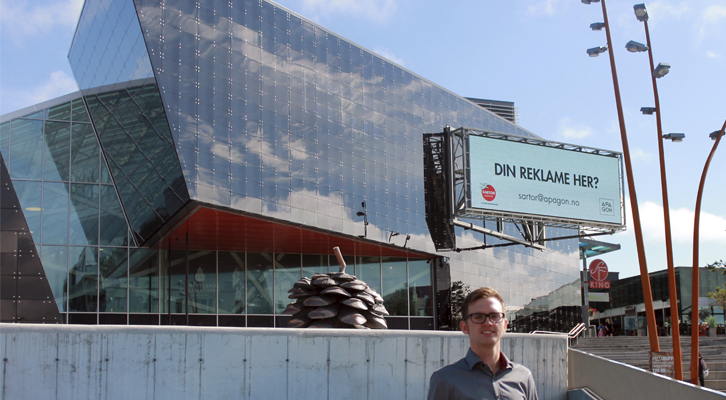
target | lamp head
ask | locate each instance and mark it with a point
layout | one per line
(590, 1)
(675, 137)
(597, 26)
(647, 110)
(715, 134)
(360, 213)
(595, 51)
(661, 70)
(635, 47)
(640, 12)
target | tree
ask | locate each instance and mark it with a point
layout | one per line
(719, 296)
(717, 266)
(459, 291)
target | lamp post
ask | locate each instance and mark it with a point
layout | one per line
(644, 277)
(717, 135)
(642, 14)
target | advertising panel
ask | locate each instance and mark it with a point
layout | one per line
(517, 177)
(601, 297)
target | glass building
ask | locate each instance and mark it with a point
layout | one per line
(216, 152)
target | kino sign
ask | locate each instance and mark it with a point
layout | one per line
(599, 275)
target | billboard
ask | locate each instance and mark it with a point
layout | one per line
(544, 179)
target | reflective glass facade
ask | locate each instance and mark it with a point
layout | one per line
(245, 107)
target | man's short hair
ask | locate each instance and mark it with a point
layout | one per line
(481, 293)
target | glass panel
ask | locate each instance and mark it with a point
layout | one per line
(144, 281)
(113, 267)
(55, 265)
(203, 282)
(26, 149)
(314, 264)
(55, 213)
(5, 139)
(231, 266)
(420, 298)
(57, 140)
(84, 214)
(287, 272)
(61, 112)
(259, 283)
(368, 269)
(83, 279)
(174, 282)
(84, 154)
(113, 223)
(79, 111)
(395, 293)
(29, 195)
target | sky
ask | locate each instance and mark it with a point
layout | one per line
(527, 51)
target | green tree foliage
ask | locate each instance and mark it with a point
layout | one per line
(717, 266)
(719, 296)
(459, 291)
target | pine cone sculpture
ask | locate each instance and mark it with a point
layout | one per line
(336, 300)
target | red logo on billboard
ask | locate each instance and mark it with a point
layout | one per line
(598, 270)
(489, 193)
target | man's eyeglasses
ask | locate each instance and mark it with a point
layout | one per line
(479, 318)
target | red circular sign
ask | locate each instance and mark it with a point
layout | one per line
(598, 270)
(489, 193)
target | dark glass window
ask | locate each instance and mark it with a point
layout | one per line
(113, 223)
(259, 283)
(314, 264)
(368, 269)
(55, 265)
(56, 152)
(30, 197)
(202, 282)
(26, 149)
(395, 290)
(84, 214)
(420, 293)
(287, 272)
(113, 280)
(83, 279)
(143, 281)
(55, 213)
(231, 266)
(84, 154)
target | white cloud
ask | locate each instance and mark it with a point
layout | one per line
(569, 130)
(387, 54)
(712, 19)
(640, 155)
(712, 54)
(22, 19)
(712, 227)
(58, 84)
(379, 10)
(661, 10)
(546, 7)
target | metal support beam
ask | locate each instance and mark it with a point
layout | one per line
(467, 225)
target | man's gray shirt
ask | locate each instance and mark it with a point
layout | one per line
(470, 378)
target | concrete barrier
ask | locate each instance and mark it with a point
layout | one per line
(124, 362)
(615, 380)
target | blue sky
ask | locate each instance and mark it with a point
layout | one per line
(526, 51)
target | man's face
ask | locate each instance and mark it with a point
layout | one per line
(487, 334)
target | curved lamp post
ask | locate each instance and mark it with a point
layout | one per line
(717, 135)
(644, 277)
(657, 72)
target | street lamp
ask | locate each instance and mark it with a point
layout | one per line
(717, 135)
(597, 26)
(363, 214)
(641, 13)
(662, 69)
(644, 277)
(595, 51)
(647, 110)
(675, 137)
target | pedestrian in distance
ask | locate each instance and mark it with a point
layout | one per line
(485, 372)
(608, 327)
(702, 370)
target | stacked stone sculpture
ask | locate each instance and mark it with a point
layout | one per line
(336, 300)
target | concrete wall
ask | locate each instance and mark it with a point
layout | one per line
(614, 380)
(114, 362)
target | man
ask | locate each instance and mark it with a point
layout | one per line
(485, 372)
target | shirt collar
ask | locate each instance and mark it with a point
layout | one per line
(472, 360)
